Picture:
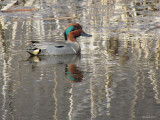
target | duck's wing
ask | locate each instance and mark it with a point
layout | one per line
(51, 48)
(46, 45)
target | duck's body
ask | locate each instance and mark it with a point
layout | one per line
(54, 48)
(70, 46)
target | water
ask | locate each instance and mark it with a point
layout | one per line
(115, 78)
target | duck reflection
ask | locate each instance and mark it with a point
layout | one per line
(48, 60)
(73, 73)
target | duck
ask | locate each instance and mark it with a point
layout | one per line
(70, 46)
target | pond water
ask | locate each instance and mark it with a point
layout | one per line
(116, 77)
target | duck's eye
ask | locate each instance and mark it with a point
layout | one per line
(75, 28)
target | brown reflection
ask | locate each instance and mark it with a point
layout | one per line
(74, 74)
(112, 45)
(113, 49)
(2, 29)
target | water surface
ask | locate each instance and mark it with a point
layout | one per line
(116, 77)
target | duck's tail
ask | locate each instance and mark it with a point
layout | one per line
(32, 50)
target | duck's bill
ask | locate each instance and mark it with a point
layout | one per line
(85, 34)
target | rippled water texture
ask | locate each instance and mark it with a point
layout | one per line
(117, 76)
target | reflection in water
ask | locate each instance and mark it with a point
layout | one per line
(4, 88)
(55, 96)
(73, 74)
(53, 60)
(72, 71)
(155, 84)
(7, 92)
(71, 104)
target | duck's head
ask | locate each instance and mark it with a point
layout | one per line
(74, 30)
